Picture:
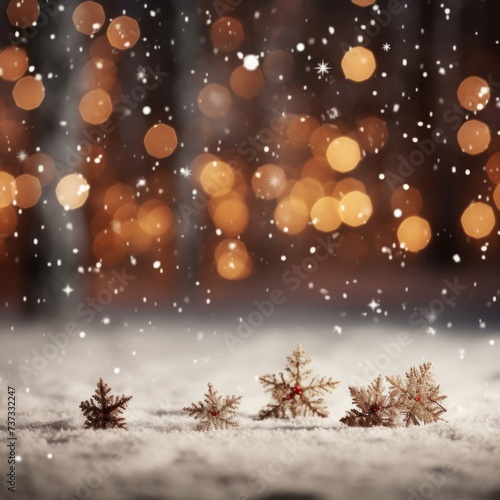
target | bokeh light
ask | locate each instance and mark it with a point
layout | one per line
(8, 221)
(346, 186)
(6, 189)
(28, 93)
(89, 17)
(325, 214)
(160, 140)
(478, 220)
(363, 3)
(321, 139)
(414, 234)
(291, 215)
(358, 64)
(123, 33)
(23, 13)
(232, 260)
(99, 73)
(96, 107)
(496, 196)
(231, 217)
(117, 195)
(216, 176)
(278, 66)
(27, 191)
(227, 34)
(308, 190)
(41, 166)
(155, 218)
(493, 168)
(214, 100)
(13, 63)
(355, 208)
(343, 154)
(473, 93)
(72, 191)
(246, 84)
(474, 137)
(268, 181)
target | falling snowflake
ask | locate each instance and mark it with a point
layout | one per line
(386, 47)
(22, 156)
(141, 74)
(332, 113)
(185, 172)
(373, 305)
(68, 290)
(275, 180)
(322, 68)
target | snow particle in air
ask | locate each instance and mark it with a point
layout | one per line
(251, 62)
(116, 371)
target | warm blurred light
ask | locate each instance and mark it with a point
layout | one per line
(474, 137)
(493, 168)
(109, 248)
(23, 13)
(3, 250)
(245, 83)
(160, 140)
(8, 221)
(268, 181)
(358, 64)
(99, 73)
(136, 240)
(414, 234)
(216, 176)
(372, 134)
(317, 168)
(406, 201)
(352, 248)
(496, 196)
(12, 136)
(355, 208)
(89, 17)
(41, 166)
(232, 260)
(291, 215)
(27, 191)
(231, 217)
(473, 93)
(308, 190)
(123, 32)
(96, 107)
(325, 214)
(278, 66)
(28, 93)
(346, 186)
(478, 220)
(300, 130)
(155, 218)
(321, 139)
(72, 191)
(123, 213)
(13, 63)
(6, 189)
(102, 49)
(117, 195)
(227, 34)
(343, 154)
(214, 100)
(363, 3)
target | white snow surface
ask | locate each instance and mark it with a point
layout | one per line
(162, 456)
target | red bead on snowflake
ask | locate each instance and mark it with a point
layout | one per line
(298, 390)
(215, 413)
(418, 399)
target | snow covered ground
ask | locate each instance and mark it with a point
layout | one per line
(166, 366)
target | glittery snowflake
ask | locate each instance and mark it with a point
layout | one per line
(322, 68)
(215, 412)
(293, 394)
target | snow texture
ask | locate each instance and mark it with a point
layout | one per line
(162, 456)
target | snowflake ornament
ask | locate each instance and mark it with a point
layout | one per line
(293, 395)
(215, 412)
(376, 407)
(417, 397)
(103, 411)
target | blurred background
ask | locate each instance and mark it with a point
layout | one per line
(187, 158)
